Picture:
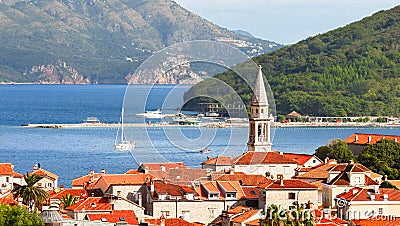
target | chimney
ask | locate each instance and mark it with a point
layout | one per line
(280, 178)
(151, 186)
(208, 157)
(385, 178)
(369, 139)
(355, 138)
(103, 171)
(376, 189)
(112, 206)
(326, 160)
(355, 191)
(351, 162)
(395, 139)
(281, 153)
(91, 172)
(372, 197)
(385, 197)
(35, 167)
(140, 199)
(162, 168)
(162, 220)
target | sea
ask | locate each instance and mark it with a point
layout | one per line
(73, 152)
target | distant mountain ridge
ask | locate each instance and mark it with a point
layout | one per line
(102, 40)
(350, 71)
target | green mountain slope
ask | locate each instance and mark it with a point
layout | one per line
(103, 40)
(350, 71)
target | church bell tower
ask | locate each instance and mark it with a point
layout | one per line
(260, 120)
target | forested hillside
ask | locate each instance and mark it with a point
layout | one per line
(350, 71)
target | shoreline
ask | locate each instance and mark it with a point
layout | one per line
(214, 125)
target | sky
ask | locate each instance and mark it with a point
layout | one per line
(285, 21)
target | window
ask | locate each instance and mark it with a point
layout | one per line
(212, 212)
(358, 180)
(380, 211)
(292, 195)
(7, 179)
(166, 213)
(49, 185)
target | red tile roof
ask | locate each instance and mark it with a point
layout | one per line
(361, 194)
(250, 192)
(17, 175)
(211, 187)
(255, 222)
(91, 204)
(116, 216)
(301, 159)
(245, 216)
(227, 186)
(244, 179)
(44, 173)
(350, 167)
(170, 222)
(238, 209)
(254, 158)
(8, 200)
(362, 138)
(219, 161)
(124, 179)
(167, 165)
(377, 222)
(84, 180)
(161, 187)
(132, 171)
(6, 169)
(289, 184)
(82, 193)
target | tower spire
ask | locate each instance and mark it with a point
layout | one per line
(260, 120)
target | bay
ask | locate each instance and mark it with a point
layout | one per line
(74, 152)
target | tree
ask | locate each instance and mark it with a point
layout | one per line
(31, 195)
(382, 158)
(67, 200)
(17, 216)
(337, 149)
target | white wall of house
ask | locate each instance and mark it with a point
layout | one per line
(314, 161)
(202, 211)
(287, 170)
(286, 197)
(6, 183)
(47, 183)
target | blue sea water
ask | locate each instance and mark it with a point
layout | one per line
(74, 152)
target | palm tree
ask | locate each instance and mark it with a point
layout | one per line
(31, 195)
(67, 200)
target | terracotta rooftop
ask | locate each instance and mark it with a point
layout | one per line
(318, 172)
(255, 158)
(44, 173)
(124, 179)
(301, 159)
(255, 222)
(238, 209)
(250, 192)
(364, 139)
(350, 167)
(294, 114)
(362, 194)
(132, 171)
(227, 186)
(215, 187)
(244, 179)
(179, 176)
(8, 200)
(91, 203)
(288, 184)
(245, 216)
(6, 169)
(166, 166)
(219, 161)
(343, 179)
(377, 222)
(116, 216)
(395, 183)
(82, 193)
(211, 187)
(83, 180)
(170, 222)
(162, 188)
(17, 175)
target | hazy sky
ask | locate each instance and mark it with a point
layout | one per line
(285, 21)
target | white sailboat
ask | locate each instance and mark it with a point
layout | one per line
(120, 142)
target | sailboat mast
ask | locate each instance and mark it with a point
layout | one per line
(122, 124)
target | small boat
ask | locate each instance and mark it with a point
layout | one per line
(120, 141)
(205, 150)
(185, 120)
(151, 114)
(92, 120)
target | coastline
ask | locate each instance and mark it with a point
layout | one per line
(214, 125)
